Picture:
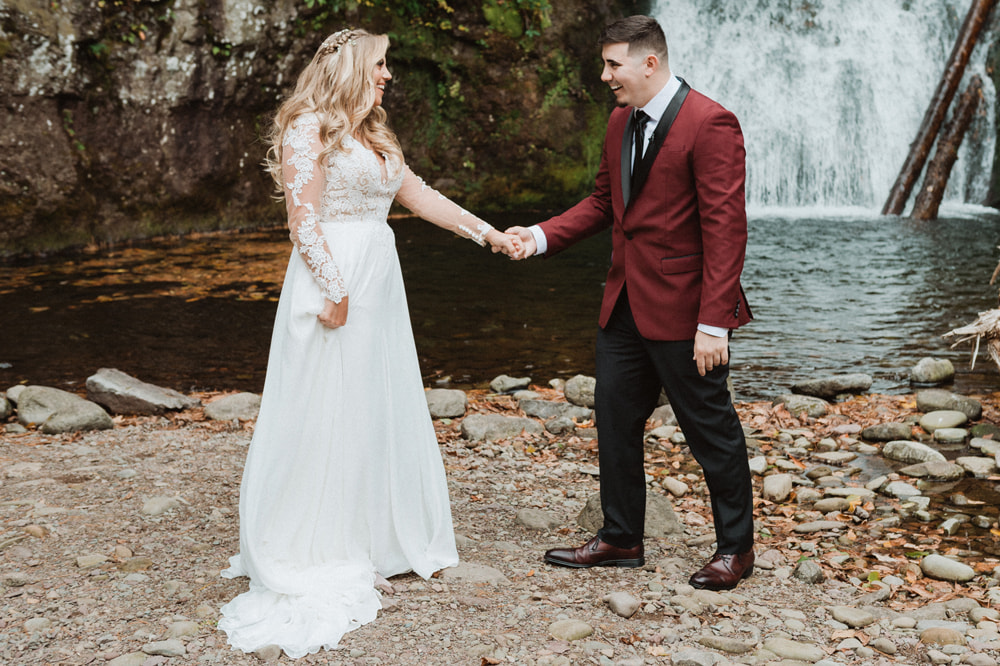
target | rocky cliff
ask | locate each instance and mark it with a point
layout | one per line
(129, 118)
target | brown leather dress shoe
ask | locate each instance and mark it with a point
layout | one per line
(596, 553)
(724, 571)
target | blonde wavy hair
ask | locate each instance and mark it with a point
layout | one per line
(337, 86)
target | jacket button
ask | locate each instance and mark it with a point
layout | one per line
(628, 236)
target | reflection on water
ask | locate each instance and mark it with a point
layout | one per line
(831, 293)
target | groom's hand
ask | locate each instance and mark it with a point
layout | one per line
(528, 245)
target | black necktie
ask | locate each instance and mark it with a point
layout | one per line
(639, 125)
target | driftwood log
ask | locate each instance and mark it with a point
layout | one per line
(968, 35)
(936, 180)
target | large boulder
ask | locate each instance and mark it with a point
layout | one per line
(932, 371)
(123, 394)
(935, 400)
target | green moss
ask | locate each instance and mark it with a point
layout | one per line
(504, 18)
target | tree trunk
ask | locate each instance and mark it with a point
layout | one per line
(921, 147)
(929, 197)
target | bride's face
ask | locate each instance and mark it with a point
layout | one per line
(380, 76)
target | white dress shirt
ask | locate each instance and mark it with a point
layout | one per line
(654, 108)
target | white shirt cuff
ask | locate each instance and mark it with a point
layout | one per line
(715, 331)
(541, 243)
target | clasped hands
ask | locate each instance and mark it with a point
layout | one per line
(516, 242)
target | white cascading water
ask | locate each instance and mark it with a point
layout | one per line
(830, 93)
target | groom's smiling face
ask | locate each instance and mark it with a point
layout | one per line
(628, 75)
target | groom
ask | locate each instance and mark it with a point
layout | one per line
(671, 186)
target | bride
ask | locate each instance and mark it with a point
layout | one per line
(343, 485)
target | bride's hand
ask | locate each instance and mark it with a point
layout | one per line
(508, 244)
(334, 315)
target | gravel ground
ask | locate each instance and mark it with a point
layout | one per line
(111, 544)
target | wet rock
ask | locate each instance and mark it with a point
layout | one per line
(886, 432)
(978, 430)
(241, 406)
(900, 490)
(911, 452)
(950, 435)
(945, 418)
(937, 469)
(979, 467)
(570, 630)
(537, 519)
(932, 371)
(622, 604)
(834, 385)
(548, 409)
(121, 393)
(803, 404)
(446, 403)
(836, 457)
(493, 427)
(989, 447)
(506, 383)
(661, 520)
(933, 400)
(944, 568)
(777, 487)
(579, 390)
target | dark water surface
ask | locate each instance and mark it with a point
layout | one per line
(831, 293)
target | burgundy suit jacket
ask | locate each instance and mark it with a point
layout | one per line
(679, 241)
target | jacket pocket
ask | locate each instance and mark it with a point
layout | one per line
(685, 264)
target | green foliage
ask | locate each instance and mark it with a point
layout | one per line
(68, 128)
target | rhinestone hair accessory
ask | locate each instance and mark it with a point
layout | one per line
(332, 44)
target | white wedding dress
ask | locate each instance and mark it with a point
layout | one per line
(343, 479)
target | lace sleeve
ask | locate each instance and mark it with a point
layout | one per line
(436, 208)
(304, 182)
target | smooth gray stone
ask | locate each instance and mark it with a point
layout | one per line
(943, 418)
(935, 469)
(691, 657)
(777, 487)
(990, 447)
(978, 467)
(930, 371)
(944, 568)
(726, 644)
(664, 414)
(242, 406)
(911, 452)
(35, 404)
(852, 617)
(789, 649)
(5, 407)
(900, 490)
(548, 409)
(803, 404)
(623, 604)
(569, 630)
(579, 390)
(819, 526)
(123, 394)
(446, 403)
(950, 435)
(886, 432)
(468, 572)
(561, 425)
(506, 383)
(933, 400)
(537, 519)
(661, 520)
(834, 385)
(83, 416)
(492, 427)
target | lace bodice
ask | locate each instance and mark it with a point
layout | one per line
(353, 188)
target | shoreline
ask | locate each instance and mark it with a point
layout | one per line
(114, 540)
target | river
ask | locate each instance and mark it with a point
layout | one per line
(832, 291)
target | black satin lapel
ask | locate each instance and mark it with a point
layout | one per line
(627, 161)
(659, 134)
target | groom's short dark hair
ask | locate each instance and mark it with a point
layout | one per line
(641, 33)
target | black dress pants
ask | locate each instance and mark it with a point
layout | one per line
(630, 372)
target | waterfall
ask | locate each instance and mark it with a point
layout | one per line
(830, 93)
